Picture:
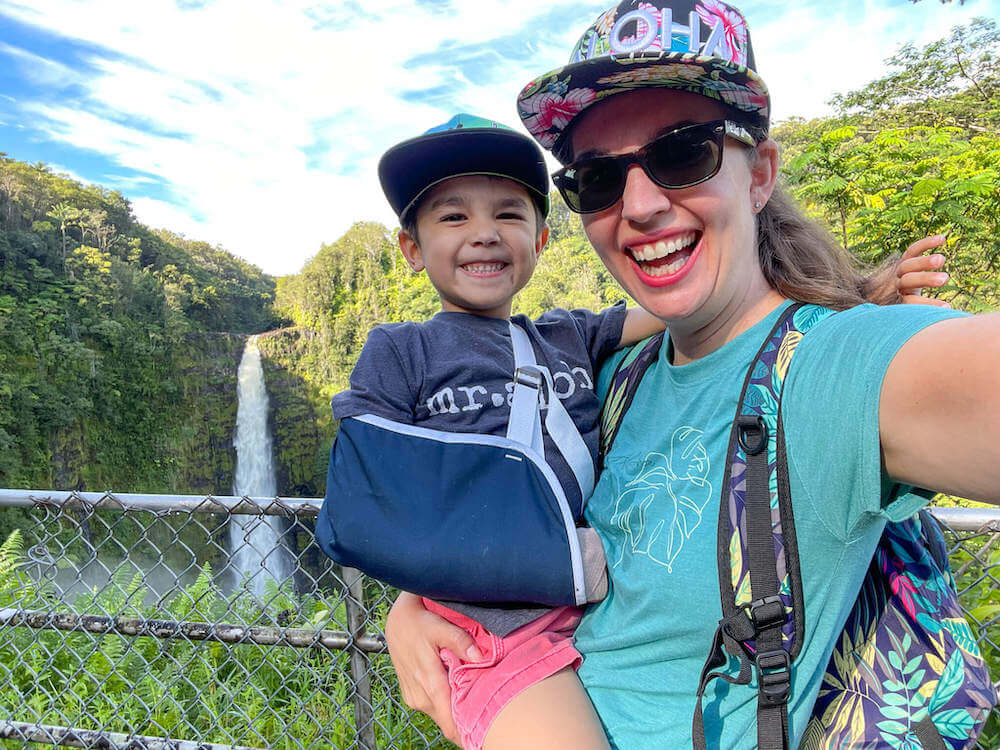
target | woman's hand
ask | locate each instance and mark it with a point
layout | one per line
(415, 638)
(916, 271)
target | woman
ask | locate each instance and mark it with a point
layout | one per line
(877, 397)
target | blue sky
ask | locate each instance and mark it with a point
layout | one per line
(257, 124)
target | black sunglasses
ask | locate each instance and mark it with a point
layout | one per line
(678, 159)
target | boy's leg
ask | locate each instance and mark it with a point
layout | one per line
(553, 713)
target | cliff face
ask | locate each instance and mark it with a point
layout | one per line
(206, 458)
(301, 424)
(180, 440)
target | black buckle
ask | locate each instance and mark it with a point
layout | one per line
(774, 676)
(766, 613)
(747, 423)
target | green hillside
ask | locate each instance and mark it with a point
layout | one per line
(119, 344)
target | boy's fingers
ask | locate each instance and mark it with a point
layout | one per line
(923, 245)
(913, 282)
(920, 263)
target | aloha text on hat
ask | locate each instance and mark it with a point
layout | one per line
(656, 31)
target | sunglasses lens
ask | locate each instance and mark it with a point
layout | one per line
(685, 157)
(599, 183)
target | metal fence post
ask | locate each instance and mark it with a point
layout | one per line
(357, 619)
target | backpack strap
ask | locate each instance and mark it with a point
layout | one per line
(762, 621)
(624, 384)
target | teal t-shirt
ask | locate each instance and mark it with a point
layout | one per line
(656, 508)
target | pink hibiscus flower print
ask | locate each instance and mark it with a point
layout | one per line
(554, 111)
(733, 24)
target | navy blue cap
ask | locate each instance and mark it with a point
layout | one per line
(465, 145)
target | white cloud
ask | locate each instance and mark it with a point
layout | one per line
(162, 215)
(230, 100)
(229, 105)
(808, 52)
(39, 70)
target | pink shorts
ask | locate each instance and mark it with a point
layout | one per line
(509, 665)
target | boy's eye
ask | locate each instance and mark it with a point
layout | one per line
(515, 215)
(453, 217)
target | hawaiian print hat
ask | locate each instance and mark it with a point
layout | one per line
(691, 45)
(465, 145)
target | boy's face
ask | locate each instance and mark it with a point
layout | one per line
(478, 242)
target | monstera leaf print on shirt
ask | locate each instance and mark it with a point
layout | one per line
(664, 504)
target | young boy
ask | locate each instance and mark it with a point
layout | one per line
(472, 197)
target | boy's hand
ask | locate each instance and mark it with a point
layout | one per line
(916, 271)
(415, 638)
(595, 567)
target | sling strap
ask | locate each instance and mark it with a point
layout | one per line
(533, 387)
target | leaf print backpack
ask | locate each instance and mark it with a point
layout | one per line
(906, 671)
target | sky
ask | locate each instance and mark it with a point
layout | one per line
(257, 125)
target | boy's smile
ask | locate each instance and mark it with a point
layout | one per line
(478, 239)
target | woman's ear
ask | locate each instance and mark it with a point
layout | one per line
(763, 173)
(410, 249)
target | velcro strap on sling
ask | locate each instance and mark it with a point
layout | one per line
(524, 425)
(715, 661)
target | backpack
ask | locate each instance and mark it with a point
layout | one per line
(462, 516)
(906, 671)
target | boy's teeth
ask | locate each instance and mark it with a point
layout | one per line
(483, 267)
(661, 249)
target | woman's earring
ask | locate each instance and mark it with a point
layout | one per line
(756, 205)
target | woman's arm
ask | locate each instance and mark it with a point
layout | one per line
(639, 325)
(939, 410)
(415, 638)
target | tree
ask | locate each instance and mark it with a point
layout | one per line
(65, 214)
(954, 81)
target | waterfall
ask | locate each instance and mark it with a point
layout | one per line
(255, 543)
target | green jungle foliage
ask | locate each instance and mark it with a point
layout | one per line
(118, 344)
(915, 152)
(119, 347)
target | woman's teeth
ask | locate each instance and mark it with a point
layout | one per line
(648, 255)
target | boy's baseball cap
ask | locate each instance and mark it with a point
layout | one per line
(701, 46)
(465, 145)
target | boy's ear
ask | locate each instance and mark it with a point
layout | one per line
(410, 249)
(540, 242)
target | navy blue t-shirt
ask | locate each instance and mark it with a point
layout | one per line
(453, 373)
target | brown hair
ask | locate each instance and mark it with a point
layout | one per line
(800, 260)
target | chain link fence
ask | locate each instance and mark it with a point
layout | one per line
(150, 621)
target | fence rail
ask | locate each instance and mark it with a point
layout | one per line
(154, 621)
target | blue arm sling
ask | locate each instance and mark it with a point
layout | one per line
(462, 516)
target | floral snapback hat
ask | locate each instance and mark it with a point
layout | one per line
(701, 46)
